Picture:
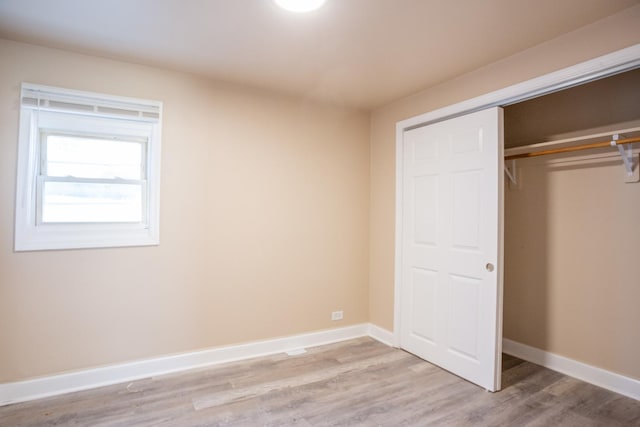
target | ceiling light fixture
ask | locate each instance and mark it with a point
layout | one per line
(299, 5)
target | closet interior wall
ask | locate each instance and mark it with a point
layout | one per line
(572, 282)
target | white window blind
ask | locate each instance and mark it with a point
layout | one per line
(46, 98)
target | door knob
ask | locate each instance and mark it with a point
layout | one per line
(489, 267)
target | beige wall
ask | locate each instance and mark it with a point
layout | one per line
(571, 246)
(603, 105)
(264, 226)
(611, 34)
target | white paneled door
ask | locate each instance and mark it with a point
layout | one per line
(451, 259)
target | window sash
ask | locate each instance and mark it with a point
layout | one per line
(45, 134)
(43, 176)
(43, 179)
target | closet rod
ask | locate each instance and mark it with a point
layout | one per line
(573, 148)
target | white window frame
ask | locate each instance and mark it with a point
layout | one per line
(48, 110)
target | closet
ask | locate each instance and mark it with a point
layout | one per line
(571, 242)
(570, 286)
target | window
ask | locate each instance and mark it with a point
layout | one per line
(88, 170)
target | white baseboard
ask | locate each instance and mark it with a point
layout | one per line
(380, 334)
(606, 379)
(54, 385)
(97, 377)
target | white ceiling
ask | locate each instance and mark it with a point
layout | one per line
(361, 53)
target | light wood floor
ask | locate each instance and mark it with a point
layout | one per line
(355, 383)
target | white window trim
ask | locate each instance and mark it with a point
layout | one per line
(97, 113)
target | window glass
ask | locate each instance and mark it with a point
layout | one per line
(91, 202)
(86, 157)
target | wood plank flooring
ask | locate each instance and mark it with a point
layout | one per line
(354, 383)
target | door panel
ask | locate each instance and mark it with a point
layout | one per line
(463, 315)
(452, 206)
(426, 196)
(424, 289)
(465, 192)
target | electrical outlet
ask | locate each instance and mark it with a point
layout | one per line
(336, 315)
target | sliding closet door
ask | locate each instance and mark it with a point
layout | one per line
(451, 290)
